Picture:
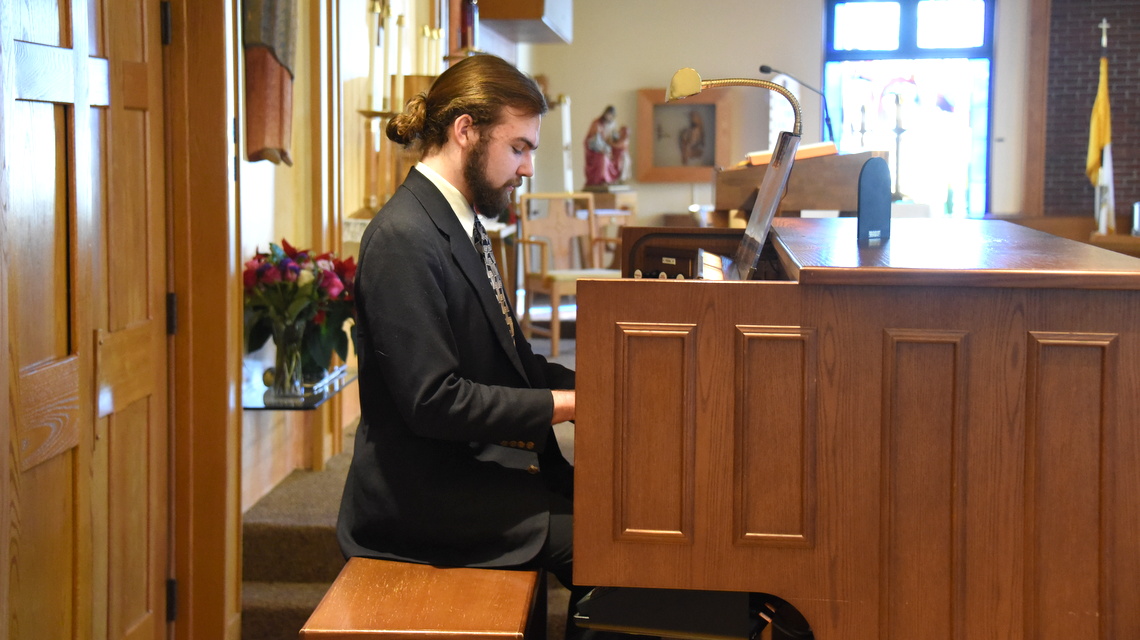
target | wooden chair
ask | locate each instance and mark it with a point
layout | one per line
(558, 247)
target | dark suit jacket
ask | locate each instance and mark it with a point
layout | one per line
(455, 457)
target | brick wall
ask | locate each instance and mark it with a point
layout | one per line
(1074, 71)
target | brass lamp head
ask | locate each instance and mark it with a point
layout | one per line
(686, 82)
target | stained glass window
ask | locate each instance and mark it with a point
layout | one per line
(926, 101)
(870, 26)
(951, 24)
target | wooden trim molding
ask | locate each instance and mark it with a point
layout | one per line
(7, 93)
(327, 189)
(1036, 108)
(206, 357)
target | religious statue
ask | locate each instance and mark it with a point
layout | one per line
(692, 140)
(607, 151)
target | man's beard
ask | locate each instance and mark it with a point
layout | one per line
(490, 201)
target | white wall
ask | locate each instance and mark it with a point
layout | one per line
(1011, 64)
(621, 46)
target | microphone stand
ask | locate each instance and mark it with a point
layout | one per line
(826, 116)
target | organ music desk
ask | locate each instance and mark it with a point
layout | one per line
(935, 438)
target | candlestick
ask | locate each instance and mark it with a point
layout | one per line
(386, 16)
(380, 65)
(437, 52)
(422, 51)
(373, 25)
(398, 90)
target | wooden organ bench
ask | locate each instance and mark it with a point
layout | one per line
(400, 601)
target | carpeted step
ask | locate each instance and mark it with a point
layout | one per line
(290, 553)
(277, 610)
(290, 534)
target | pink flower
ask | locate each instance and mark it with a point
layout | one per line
(268, 274)
(331, 283)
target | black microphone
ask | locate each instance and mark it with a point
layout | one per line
(826, 116)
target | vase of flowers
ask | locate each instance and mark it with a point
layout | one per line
(287, 372)
(302, 302)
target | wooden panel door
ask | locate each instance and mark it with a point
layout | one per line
(84, 263)
(131, 346)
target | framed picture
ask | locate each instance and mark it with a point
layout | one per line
(683, 140)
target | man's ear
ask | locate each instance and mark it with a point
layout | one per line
(464, 131)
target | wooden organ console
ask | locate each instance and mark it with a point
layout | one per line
(938, 437)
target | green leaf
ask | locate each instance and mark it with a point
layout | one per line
(342, 345)
(276, 253)
(258, 330)
(293, 311)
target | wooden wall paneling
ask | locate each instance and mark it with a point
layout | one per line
(702, 312)
(775, 425)
(1080, 352)
(657, 429)
(922, 461)
(1120, 500)
(1068, 413)
(206, 354)
(849, 405)
(272, 446)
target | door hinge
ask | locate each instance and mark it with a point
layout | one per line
(171, 600)
(171, 313)
(164, 15)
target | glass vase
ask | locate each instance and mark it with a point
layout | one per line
(287, 380)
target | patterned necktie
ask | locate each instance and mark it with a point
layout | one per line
(481, 240)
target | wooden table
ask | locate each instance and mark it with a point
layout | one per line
(616, 200)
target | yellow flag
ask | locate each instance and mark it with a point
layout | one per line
(1100, 127)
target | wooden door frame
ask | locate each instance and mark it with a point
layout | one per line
(205, 398)
(326, 156)
(1036, 108)
(7, 89)
(205, 270)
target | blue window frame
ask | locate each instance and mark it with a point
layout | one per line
(914, 78)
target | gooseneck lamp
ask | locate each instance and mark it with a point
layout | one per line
(687, 82)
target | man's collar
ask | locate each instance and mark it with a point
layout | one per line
(463, 209)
